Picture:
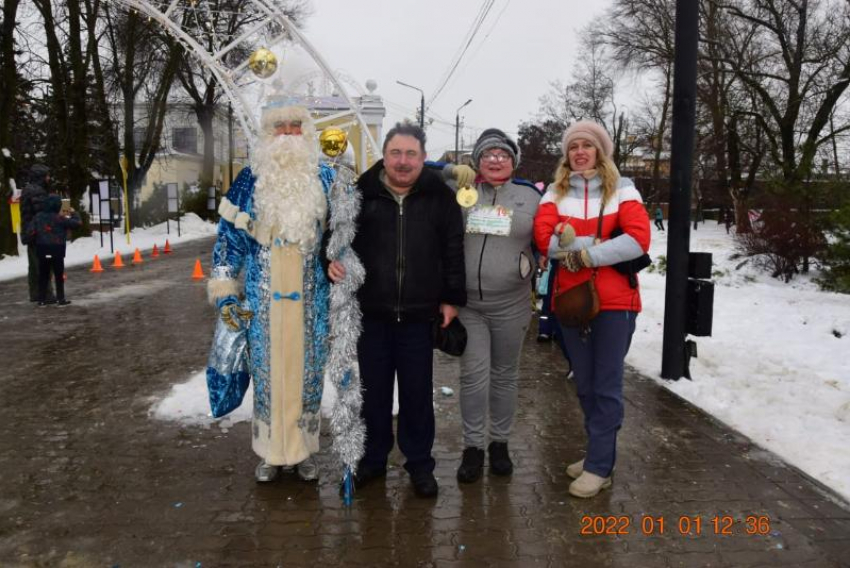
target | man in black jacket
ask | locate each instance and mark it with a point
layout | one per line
(410, 241)
(33, 198)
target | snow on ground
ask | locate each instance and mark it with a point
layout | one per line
(82, 250)
(188, 403)
(775, 368)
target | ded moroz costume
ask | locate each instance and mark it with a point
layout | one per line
(271, 227)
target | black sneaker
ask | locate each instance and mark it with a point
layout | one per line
(500, 461)
(42, 304)
(424, 484)
(471, 465)
(62, 303)
(366, 474)
(543, 338)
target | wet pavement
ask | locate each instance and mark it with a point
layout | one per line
(88, 478)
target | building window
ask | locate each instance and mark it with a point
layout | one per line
(185, 140)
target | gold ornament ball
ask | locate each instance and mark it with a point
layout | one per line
(263, 63)
(333, 141)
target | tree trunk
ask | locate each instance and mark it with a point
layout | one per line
(206, 115)
(739, 199)
(662, 126)
(8, 77)
(78, 170)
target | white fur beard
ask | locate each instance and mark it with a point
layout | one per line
(288, 195)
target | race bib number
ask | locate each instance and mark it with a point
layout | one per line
(489, 220)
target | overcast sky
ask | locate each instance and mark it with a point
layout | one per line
(519, 48)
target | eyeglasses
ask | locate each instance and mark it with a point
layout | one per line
(495, 158)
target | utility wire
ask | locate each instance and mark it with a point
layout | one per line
(479, 20)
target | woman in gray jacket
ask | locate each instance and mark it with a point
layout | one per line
(498, 219)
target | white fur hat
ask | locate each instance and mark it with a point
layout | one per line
(274, 113)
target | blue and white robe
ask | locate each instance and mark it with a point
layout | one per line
(287, 338)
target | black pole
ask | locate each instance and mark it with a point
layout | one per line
(673, 362)
(422, 113)
(230, 142)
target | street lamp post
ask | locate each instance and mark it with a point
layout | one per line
(457, 130)
(421, 104)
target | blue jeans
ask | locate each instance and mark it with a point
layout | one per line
(597, 361)
(387, 348)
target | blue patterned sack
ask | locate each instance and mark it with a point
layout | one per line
(227, 369)
(543, 281)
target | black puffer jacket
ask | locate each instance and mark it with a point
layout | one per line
(412, 253)
(33, 197)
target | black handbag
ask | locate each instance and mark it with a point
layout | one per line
(630, 267)
(450, 339)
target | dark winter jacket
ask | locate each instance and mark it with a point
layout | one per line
(49, 228)
(33, 196)
(412, 252)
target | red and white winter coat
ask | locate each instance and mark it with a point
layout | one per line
(580, 208)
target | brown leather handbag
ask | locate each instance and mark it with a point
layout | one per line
(577, 306)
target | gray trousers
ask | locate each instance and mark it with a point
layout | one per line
(489, 368)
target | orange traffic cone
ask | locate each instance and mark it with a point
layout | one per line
(167, 248)
(137, 257)
(155, 251)
(198, 273)
(95, 266)
(118, 263)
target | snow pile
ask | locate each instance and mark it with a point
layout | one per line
(188, 403)
(82, 250)
(775, 368)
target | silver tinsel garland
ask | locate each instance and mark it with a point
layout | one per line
(347, 427)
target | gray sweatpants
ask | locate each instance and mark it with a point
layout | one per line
(489, 368)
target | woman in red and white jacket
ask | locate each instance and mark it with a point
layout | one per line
(586, 183)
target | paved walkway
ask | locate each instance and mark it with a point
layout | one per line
(87, 478)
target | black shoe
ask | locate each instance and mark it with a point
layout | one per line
(42, 304)
(543, 338)
(50, 301)
(424, 484)
(500, 461)
(471, 465)
(62, 303)
(366, 474)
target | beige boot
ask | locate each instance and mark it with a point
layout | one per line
(575, 469)
(589, 485)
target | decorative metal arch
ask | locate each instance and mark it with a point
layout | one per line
(164, 13)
